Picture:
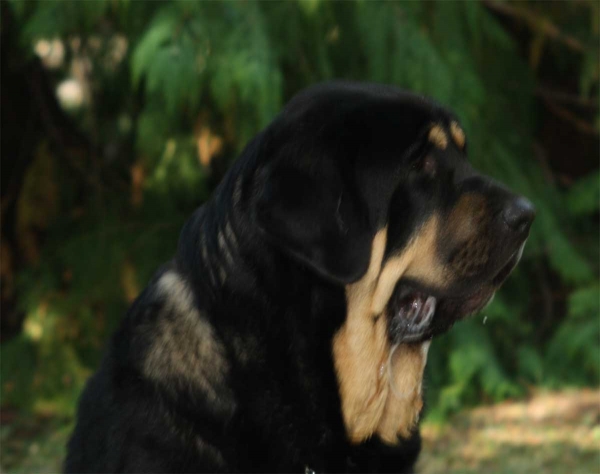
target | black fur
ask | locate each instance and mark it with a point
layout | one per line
(264, 264)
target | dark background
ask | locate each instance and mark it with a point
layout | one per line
(120, 117)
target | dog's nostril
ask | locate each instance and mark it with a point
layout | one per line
(519, 214)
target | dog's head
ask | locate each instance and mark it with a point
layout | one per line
(372, 189)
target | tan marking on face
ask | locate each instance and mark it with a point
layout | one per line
(404, 404)
(418, 260)
(458, 135)
(185, 350)
(438, 137)
(467, 216)
(464, 228)
(361, 347)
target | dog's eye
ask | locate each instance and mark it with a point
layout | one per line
(427, 165)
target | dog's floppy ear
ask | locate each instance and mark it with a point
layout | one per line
(313, 220)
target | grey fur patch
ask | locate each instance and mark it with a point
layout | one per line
(223, 247)
(222, 275)
(230, 235)
(206, 261)
(237, 191)
(209, 450)
(185, 351)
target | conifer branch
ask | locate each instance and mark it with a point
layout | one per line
(537, 24)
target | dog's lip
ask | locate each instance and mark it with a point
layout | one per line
(482, 294)
(508, 267)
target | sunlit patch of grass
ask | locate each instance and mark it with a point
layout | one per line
(558, 432)
(33, 444)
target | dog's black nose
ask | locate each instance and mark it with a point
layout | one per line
(519, 214)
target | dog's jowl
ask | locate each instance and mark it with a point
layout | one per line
(291, 329)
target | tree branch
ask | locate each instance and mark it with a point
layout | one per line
(570, 117)
(537, 24)
(566, 98)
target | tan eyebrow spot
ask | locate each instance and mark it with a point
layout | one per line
(458, 135)
(438, 137)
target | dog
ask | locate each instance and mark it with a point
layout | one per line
(290, 331)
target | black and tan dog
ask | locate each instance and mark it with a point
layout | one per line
(291, 329)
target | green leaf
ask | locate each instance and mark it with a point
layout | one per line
(531, 364)
(158, 34)
(584, 196)
(585, 302)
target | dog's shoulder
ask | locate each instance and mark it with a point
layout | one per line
(164, 362)
(173, 342)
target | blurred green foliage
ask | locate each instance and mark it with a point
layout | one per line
(168, 90)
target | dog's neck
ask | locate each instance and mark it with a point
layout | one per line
(225, 253)
(233, 265)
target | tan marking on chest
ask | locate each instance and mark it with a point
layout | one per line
(361, 347)
(404, 404)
